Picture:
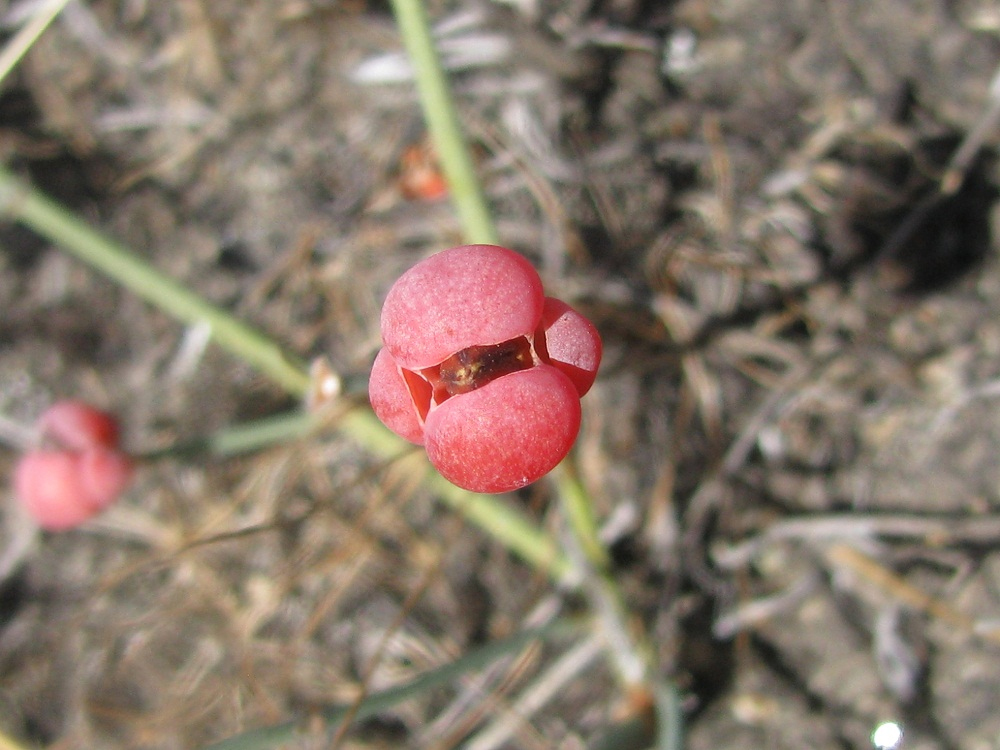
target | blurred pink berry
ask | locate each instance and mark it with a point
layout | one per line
(79, 472)
(77, 425)
(483, 369)
(62, 489)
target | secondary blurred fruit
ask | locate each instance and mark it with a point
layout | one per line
(77, 472)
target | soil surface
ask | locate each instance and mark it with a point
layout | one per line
(791, 443)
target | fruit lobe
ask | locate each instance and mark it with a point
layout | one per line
(473, 295)
(570, 343)
(393, 401)
(507, 434)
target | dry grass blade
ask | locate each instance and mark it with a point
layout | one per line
(936, 532)
(555, 678)
(844, 556)
(263, 739)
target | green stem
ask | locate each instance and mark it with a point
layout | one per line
(661, 728)
(242, 438)
(669, 716)
(18, 47)
(629, 653)
(631, 658)
(578, 508)
(59, 225)
(507, 525)
(634, 733)
(443, 124)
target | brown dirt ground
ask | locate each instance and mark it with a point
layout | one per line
(793, 437)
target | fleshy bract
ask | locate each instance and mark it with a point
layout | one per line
(507, 434)
(467, 296)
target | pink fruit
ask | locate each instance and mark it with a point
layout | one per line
(483, 369)
(62, 489)
(79, 474)
(77, 425)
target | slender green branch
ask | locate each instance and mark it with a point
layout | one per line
(507, 525)
(669, 716)
(18, 47)
(634, 733)
(59, 225)
(443, 124)
(242, 438)
(627, 648)
(629, 653)
(578, 508)
(661, 727)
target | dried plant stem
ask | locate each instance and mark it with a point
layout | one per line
(553, 681)
(845, 556)
(271, 737)
(974, 140)
(935, 531)
(443, 124)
